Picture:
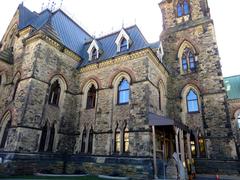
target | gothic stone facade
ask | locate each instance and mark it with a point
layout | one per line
(63, 91)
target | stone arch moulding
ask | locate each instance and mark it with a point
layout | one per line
(125, 72)
(62, 79)
(194, 84)
(91, 80)
(7, 116)
(186, 42)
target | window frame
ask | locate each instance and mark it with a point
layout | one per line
(181, 5)
(125, 140)
(54, 98)
(119, 91)
(123, 44)
(197, 101)
(91, 96)
(188, 59)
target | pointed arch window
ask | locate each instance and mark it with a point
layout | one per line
(188, 61)
(5, 134)
(183, 8)
(123, 45)
(126, 140)
(43, 138)
(192, 102)
(55, 92)
(159, 99)
(84, 139)
(123, 92)
(94, 54)
(117, 140)
(91, 97)
(51, 139)
(90, 141)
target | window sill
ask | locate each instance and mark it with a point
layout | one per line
(195, 112)
(122, 104)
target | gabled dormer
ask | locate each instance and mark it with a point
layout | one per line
(94, 50)
(123, 41)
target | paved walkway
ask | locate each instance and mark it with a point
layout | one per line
(212, 177)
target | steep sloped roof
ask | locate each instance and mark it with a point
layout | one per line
(232, 85)
(109, 48)
(58, 24)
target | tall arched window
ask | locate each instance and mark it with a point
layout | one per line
(90, 141)
(43, 138)
(51, 139)
(123, 45)
(183, 8)
(192, 101)
(94, 54)
(126, 140)
(159, 99)
(91, 97)
(123, 92)
(5, 134)
(84, 139)
(55, 92)
(188, 61)
(117, 140)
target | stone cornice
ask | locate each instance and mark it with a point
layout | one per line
(25, 31)
(233, 100)
(41, 35)
(147, 52)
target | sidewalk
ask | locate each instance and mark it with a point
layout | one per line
(212, 177)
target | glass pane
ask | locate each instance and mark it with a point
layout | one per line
(239, 123)
(117, 142)
(184, 63)
(124, 96)
(179, 10)
(193, 106)
(123, 46)
(126, 142)
(186, 7)
(124, 85)
(192, 95)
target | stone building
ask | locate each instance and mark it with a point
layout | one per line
(114, 99)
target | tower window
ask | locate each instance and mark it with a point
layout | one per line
(54, 94)
(192, 101)
(43, 138)
(84, 139)
(117, 141)
(183, 8)
(123, 92)
(91, 97)
(188, 61)
(51, 139)
(90, 141)
(123, 45)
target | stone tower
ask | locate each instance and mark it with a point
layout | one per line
(196, 93)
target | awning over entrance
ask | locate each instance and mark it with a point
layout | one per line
(158, 120)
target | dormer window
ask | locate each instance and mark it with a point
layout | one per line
(94, 50)
(183, 8)
(94, 54)
(123, 45)
(123, 41)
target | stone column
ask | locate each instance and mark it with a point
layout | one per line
(176, 140)
(189, 148)
(154, 152)
(182, 146)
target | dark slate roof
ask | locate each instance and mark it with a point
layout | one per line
(7, 56)
(232, 85)
(109, 48)
(58, 23)
(155, 45)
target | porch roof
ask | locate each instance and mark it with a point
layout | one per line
(158, 120)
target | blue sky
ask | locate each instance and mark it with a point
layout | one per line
(105, 16)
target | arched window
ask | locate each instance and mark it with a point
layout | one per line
(91, 97)
(123, 92)
(123, 45)
(192, 101)
(55, 92)
(90, 141)
(5, 134)
(94, 54)
(188, 61)
(159, 99)
(238, 121)
(183, 8)
(126, 140)
(51, 139)
(84, 139)
(43, 138)
(117, 140)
